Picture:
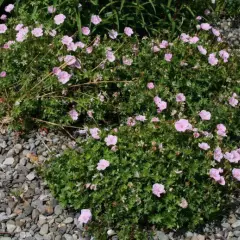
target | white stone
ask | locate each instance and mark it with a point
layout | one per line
(8, 161)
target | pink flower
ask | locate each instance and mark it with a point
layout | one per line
(219, 39)
(59, 19)
(53, 33)
(90, 113)
(218, 154)
(221, 130)
(111, 140)
(3, 28)
(184, 37)
(155, 119)
(222, 181)
(150, 85)
(112, 34)
(85, 216)
(19, 27)
(22, 34)
(102, 165)
(184, 203)
(3, 74)
(110, 56)
(95, 19)
(205, 115)
(37, 32)
(233, 101)
(85, 31)
(162, 105)
(163, 44)
(215, 174)
(205, 26)
(80, 44)
(199, 18)
(193, 40)
(236, 173)
(51, 9)
(141, 118)
(168, 57)
(9, 8)
(127, 61)
(89, 50)
(204, 146)
(224, 55)
(73, 114)
(181, 125)
(66, 40)
(155, 49)
(212, 59)
(196, 135)
(56, 70)
(70, 60)
(128, 31)
(131, 122)
(3, 17)
(158, 189)
(202, 50)
(215, 32)
(71, 47)
(95, 133)
(180, 97)
(64, 77)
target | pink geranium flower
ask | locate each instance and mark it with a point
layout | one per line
(111, 140)
(141, 118)
(212, 59)
(95, 19)
(215, 174)
(56, 70)
(193, 40)
(73, 114)
(59, 19)
(3, 28)
(204, 146)
(66, 40)
(168, 57)
(205, 26)
(128, 31)
(183, 203)
(181, 125)
(70, 60)
(22, 34)
(180, 97)
(155, 49)
(85, 216)
(52, 33)
(158, 189)
(102, 164)
(233, 101)
(218, 154)
(3, 17)
(202, 50)
(95, 133)
(215, 32)
(127, 61)
(150, 85)
(113, 34)
(19, 27)
(85, 31)
(51, 9)
(236, 173)
(155, 119)
(110, 56)
(184, 37)
(131, 121)
(37, 32)
(3, 74)
(9, 8)
(163, 44)
(64, 77)
(224, 55)
(205, 115)
(221, 130)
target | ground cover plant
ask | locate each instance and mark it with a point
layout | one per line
(161, 119)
